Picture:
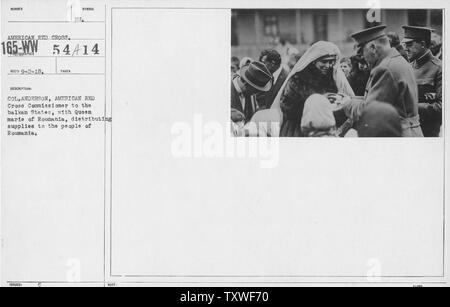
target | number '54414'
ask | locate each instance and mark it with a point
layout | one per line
(76, 50)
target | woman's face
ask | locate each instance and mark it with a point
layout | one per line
(325, 65)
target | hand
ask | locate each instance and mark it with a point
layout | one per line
(236, 130)
(237, 116)
(430, 96)
(346, 100)
(333, 98)
(352, 107)
(344, 103)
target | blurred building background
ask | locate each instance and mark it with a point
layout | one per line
(255, 30)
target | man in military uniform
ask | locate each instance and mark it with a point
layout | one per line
(428, 73)
(391, 81)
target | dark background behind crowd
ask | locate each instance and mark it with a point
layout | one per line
(291, 32)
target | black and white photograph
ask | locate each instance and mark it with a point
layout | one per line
(336, 73)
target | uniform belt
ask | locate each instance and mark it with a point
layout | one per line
(410, 122)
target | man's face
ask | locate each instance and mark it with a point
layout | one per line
(271, 66)
(234, 69)
(414, 50)
(325, 65)
(370, 55)
(246, 88)
(436, 39)
(293, 59)
(436, 42)
(363, 66)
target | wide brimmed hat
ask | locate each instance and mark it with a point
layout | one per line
(258, 76)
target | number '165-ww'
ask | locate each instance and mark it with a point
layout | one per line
(22, 47)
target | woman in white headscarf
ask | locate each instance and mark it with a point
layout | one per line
(317, 72)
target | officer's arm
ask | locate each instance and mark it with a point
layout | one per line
(382, 88)
(437, 106)
(433, 110)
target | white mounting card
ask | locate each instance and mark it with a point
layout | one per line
(121, 165)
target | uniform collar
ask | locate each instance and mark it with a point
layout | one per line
(427, 56)
(391, 53)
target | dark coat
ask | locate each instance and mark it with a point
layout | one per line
(393, 81)
(428, 72)
(302, 85)
(237, 105)
(265, 100)
(358, 81)
(358, 78)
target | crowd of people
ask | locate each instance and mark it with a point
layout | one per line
(388, 88)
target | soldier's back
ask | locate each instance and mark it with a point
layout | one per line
(403, 75)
